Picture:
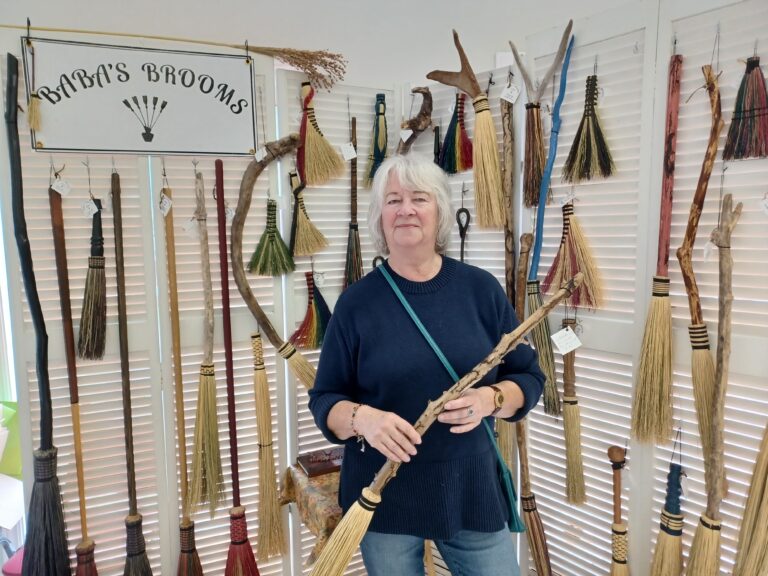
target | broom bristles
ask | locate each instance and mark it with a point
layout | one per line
(33, 112)
(207, 483)
(189, 560)
(136, 561)
(537, 540)
(652, 406)
(93, 317)
(311, 331)
(590, 292)
(240, 559)
(318, 161)
(753, 535)
(347, 535)
(748, 133)
(574, 467)
(45, 546)
(619, 550)
(704, 558)
(533, 166)
(379, 144)
(540, 335)
(703, 378)
(86, 563)
(463, 143)
(668, 555)
(299, 365)
(489, 198)
(271, 257)
(447, 158)
(308, 239)
(353, 266)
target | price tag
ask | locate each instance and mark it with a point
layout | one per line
(566, 340)
(191, 229)
(319, 279)
(260, 154)
(61, 186)
(165, 204)
(348, 151)
(90, 209)
(708, 248)
(510, 93)
(405, 134)
(229, 214)
(570, 197)
(764, 205)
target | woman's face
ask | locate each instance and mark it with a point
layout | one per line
(408, 218)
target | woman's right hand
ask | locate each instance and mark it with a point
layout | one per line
(394, 437)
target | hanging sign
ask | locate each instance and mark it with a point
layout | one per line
(106, 98)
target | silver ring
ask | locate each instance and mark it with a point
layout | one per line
(470, 411)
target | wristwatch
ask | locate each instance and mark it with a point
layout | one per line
(498, 399)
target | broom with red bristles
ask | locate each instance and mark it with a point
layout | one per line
(310, 333)
(316, 159)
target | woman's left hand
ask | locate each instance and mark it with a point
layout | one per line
(466, 413)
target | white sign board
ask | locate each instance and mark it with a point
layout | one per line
(105, 98)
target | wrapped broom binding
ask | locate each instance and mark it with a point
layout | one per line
(619, 530)
(379, 140)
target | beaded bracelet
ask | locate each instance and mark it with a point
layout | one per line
(360, 437)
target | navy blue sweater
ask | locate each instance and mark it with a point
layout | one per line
(374, 354)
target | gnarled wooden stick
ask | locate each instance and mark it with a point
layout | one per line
(535, 94)
(465, 79)
(418, 123)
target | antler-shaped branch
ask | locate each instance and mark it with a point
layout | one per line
(418, 123)
(534, 95)
(465, 79)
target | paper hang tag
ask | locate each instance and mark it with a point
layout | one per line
(565, 340)
(319, 279)
(348, 151)
(405, 134)
(61, 186)
(570, 197)
(708, 249)
(165, 205)
(90, 209)
(764, 205)
(510, 93)
(260, 154)
(229, 213)
(191, 228)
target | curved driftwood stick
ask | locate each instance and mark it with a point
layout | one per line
(685, 252)
(507, 343)
(465, 79)
(418, 123)
(535, 94)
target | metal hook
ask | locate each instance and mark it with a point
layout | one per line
(194, 166)
(490, 83)
(247, 54)
(674, 45)
(464, 191)
(510, 76)
(29, 25)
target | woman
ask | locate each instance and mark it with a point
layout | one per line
(377, 373)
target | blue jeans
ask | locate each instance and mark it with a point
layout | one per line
(468, 553)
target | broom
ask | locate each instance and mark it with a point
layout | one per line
(310, 333)
(703, 368)
(189, 560)
(93, 317)
(668, 555)
(45, 547)
(541, 334)
(533, 165)
(353, 264)
(704, 559)
(379, 141)
(306, 239)
(447, 158)
(489, 202)
(652, 406)
(303, 370)
(207, 478)
(752, 555)
(316, 160)
(240, 560)
(748, 134)
(436, 145)
(619, 539)
(349, 532)
(574, 468)
(418, 123)
(456, 153)
(136, 561)
(271, 257)
(86, 565)
(271, 541)
(589, 155)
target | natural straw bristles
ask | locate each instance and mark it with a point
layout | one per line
(33, 112)
(537, 540)
(574, 468)
(311, 332)
(270, 540)
(668, 555)
(93, 318)
(189, 560)
(316, 160)
(748, 134)
(86, 563)
(136, 561)
(505, 436)
(379, 141)
(306, 239)
(704, 558)
(533, 166)
(45, 547)
(752, 555)
(540, 335)
(346, 538)
(619, 550)
(353, 266)
(489, 200)
(240, 559)
(207, 483)
(299, 365)
(271, 257)
(652, 406)
(703, 376)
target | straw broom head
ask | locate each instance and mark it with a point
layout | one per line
(668, 556)
(93, 317)
(271, 257)
(535, 158)
(136, 561)
(240, 560)
(704, 559)
(619, 549)
(540, 335)
(590, 293)
(317, 161)
(306, 239)
(753, 537)
(300, 366)
(537, 540)
(489, 201)
(703, 377)
(189, 560)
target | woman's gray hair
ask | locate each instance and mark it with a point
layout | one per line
(414, 172)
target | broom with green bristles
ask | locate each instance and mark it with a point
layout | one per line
(353, 264)
(316, 160)
(271, 257)
(748, 134)
(306, 239)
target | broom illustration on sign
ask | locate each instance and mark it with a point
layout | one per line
(147, 114)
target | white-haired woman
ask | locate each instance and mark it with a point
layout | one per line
(377, 373)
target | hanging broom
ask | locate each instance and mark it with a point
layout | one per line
(136, 561)
(575, 490)
(418, 123)
(310, 333)
(316, 160)
(575, 255)
(271, 257)
(541, 334)
(489, 201)
(45, 548)
(652, 406)
(456, 153)
(240, 560)
(353, 264)
(86, 565)
(300, 366)
(752, 555)
(349, 532)
(533, 165)
(589, 155)
(271, 540)
(189, 560)
(93, 318)
(306, 239)
(619, 539)
(668, 555)
(748, 134)
(703, 368)
(379, 141)
(436, 145)
(207, 477)
(704, 559)
(447, 158)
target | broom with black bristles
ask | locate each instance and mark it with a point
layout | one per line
(207, 484)
(93, 316)
(652, 405)
(353, 264)
(456, 152)
(306, 239)
(748, 135)
(541, 334)
(349, 532)
(316, 160)
(271, 257)
(136, 561)
(379, 141)
(240, 560)
(310, 333)
(668, 555)
(300, 366)
(45, 547)
(189, 560)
